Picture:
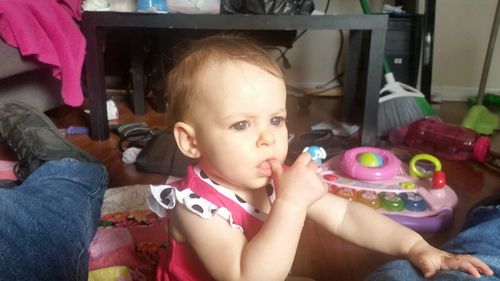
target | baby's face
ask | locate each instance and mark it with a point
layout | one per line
(239, 124)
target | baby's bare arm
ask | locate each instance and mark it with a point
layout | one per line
(365, 227)
(226, 253)
(362, 225)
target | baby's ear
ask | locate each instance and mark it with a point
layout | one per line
(186, 139)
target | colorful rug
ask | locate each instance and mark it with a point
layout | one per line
(126, 244)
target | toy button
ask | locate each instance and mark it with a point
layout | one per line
(346, 193)
(332, 188)
(414, 202)
(369, 198)
(330, 177)
(407, 185)
(390, 201)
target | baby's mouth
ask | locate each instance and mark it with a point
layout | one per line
(264, 169)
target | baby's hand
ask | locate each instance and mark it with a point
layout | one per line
(299, 184)
(430, 260)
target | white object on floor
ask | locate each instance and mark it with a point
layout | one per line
(389, 9)
(111, 108)
(130, 155)
(344, 131)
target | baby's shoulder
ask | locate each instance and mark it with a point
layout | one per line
(184, 223)
(189, 206)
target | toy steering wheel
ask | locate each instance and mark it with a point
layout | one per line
(369, 163)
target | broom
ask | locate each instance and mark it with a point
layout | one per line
(399, 104)
(402, 104)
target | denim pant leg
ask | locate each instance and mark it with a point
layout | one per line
(49, 221)
(479, 238)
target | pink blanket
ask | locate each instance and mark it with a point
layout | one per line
(47, 30)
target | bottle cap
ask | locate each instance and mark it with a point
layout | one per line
(481, 148)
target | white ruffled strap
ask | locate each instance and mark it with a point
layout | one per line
(168, 196)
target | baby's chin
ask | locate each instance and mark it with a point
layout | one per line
(257, 183)
(247, 182)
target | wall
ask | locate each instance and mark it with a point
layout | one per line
(461, 37)
(462, 33)
(313, 55)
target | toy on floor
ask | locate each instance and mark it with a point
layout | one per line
(444, 140)
(416, 195)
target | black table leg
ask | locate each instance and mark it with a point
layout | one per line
(428, 46)
(353, 86)
(96, 92)
(137, 71)
(351, 74)
(374, 72)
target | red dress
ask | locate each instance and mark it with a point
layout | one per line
(206, 198)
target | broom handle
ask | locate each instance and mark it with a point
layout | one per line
(366, 11)
(489, 53)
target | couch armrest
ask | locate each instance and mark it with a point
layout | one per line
(13, 63)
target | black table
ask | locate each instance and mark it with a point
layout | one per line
(94, 25)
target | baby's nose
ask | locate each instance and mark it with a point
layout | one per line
(266, 138)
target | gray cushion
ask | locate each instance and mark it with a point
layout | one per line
(27, 80)
(13, 63)
(37, 88)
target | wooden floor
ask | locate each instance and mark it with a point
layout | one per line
(320, 255)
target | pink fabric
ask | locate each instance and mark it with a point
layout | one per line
(124, 256)
(131, 239)
(179, 261)
(46, 29)
(107, 240)
(7, 170)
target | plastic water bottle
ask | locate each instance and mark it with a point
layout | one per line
(443, 140)
(152, 6)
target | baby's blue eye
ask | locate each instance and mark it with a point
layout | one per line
(239, 126)
(277, 120)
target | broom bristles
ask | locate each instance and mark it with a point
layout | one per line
(403, 105)
(424, 106)
(397, 112)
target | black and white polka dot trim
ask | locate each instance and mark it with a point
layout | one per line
(234, 197)
(167, 196)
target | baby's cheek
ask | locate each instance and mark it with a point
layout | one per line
(282, 148)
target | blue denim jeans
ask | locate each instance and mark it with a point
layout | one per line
(49, 220)
(480, 237)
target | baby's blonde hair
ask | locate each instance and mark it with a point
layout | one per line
(183, 77)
